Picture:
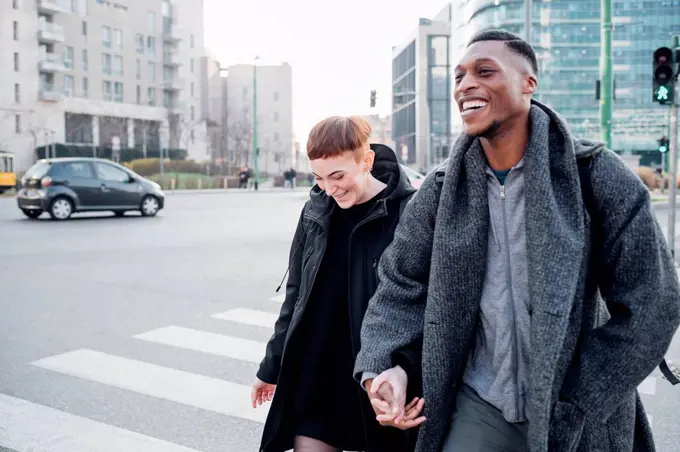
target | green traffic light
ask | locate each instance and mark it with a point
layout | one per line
(662, 93)
(663, 149)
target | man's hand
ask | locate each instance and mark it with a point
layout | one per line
(387, 393)
(262, 392)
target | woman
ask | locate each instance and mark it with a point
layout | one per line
(342, 232)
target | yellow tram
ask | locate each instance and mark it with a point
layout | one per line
(8, 179)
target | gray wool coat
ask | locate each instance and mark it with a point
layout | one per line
(603, 313)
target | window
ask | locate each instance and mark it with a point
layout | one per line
(276, 96)
(17, 93)
(276, 116)
(192, 89)
(191, 65)
(139, 39)
(193, 114)
(139, 95)
(151, 23)
(106, 90)
(151, 69)
(276, 136)
(106, 36)
(16, 61)
(151, 45)
(117, 65)
(110, 173)
(17, 123)
(68, 57)
(15, 4)
(83, 31)
(84, 62)
(193, 137)
(118, 92)
(245, 93)
(138, 69)
(151, 94)
(118, 38)
(86, 87)
(165, 9)
(81, 170)
(68, 85)
(106, 63)
(15, 31)
(191, 41)
(82, 7)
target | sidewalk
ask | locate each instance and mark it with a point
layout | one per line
(261, 189)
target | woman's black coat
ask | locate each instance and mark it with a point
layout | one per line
(368, 241)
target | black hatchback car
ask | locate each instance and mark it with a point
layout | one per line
(62, 186)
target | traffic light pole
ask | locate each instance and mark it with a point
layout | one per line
(606, 87)
(673, 158)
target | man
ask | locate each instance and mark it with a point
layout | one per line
(538, 319)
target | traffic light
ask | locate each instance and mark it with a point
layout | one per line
(663, 144)
(663, 75)
(372, 98)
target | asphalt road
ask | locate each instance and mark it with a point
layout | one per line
(143, 334)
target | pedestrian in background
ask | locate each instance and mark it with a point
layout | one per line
(532, 269)
(343, 230)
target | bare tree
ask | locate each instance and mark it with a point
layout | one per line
(240, 134)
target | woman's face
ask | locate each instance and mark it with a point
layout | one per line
(343, 177)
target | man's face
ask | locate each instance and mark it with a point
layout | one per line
(493, 85)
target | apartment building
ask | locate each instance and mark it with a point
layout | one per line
(273, 88)
(101, 74)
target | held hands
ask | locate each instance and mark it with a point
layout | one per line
(387, 393)
(262, 392)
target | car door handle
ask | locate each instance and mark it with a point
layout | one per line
(104, 188)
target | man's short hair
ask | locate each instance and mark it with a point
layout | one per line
(338, 134)
(516, 44)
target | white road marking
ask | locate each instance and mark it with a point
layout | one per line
(206, 342)
(279, 298)
(29, 427)
(175, 385)
(248, 317)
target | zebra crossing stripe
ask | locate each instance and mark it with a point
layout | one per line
(248, 317)
(205, 342)
(278, 299)
(27, 426)
(178, 386)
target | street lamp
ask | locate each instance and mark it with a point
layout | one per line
(256, 150)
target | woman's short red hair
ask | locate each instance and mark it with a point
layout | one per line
(338, 134)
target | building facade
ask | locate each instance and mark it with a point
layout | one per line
(421, 93)
(101, 74)
(273, 88)
(566, 37)
(381, 129)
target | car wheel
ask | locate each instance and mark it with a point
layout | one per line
(61, 208)
(32, 214)
(150, 206)
(119, 213)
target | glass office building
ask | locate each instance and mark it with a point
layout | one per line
(421, 92)
(566, 37)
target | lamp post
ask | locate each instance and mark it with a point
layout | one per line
(256, 152)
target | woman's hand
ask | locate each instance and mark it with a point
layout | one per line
(262, 392)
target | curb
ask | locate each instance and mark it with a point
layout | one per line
(216, 191)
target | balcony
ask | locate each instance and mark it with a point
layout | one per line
(54, 6)
(50, 33)
(173, 84)
(51, 94)
(51, 62)
(171, 35)
(171, 60)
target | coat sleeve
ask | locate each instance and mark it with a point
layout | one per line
(393, 325)
(271, 364)
(639, 284)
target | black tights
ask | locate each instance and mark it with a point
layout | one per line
(307, 444)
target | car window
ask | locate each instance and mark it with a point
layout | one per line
(37, 171)
(81, 170)
(110, 173)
